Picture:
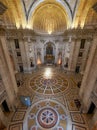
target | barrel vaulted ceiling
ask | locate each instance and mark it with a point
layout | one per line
(49, 16)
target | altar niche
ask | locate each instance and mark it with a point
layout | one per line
(49, 56)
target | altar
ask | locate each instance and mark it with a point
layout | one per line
(49, 57)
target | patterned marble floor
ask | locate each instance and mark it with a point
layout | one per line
(55, 101)
(48, 82)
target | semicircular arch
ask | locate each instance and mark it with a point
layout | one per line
(62, 4)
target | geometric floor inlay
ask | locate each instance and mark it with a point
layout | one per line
(53, 93)
(77, 117)
(47, 117)
(71, 105)
(18, 116)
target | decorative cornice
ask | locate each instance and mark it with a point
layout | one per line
(74, 33)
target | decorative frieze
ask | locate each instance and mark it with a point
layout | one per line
(74, 33)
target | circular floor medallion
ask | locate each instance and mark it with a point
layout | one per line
(47, 118)
(48, 86)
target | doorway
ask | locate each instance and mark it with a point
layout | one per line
(92, 108)
(77, 69)
(49, 49)
(21, 68)
(5, 106)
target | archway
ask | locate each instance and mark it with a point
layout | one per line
(49, 55)
(49, 49)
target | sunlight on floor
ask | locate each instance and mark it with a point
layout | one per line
(48, 73)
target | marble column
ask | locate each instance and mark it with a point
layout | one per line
(24, 56)
(74, 51)
(13, 49)
(90, 77)
(6, 71)
(7, 58)
(85, 55)
(35, 54)
(56, 53)
(24, 47)
(63, 55)
(42, 55)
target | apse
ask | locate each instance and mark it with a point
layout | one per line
(49, 18)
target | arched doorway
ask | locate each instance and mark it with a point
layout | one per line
(49, 56)
(49, 49)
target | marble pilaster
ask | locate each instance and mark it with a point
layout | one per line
(74, 51)
(7, 73)
(23, 54)
(8, 62)
(85, 56)
(89, 77)
(12, 44)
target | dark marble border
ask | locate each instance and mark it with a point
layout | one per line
(80, 127)
(17, 125)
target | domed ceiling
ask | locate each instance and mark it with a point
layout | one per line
(49, 16)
